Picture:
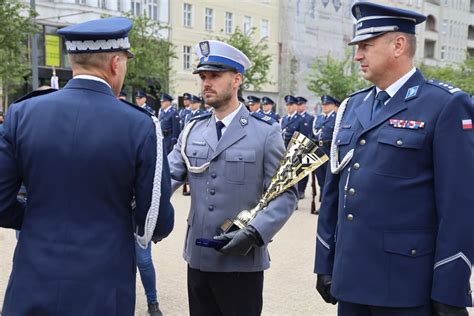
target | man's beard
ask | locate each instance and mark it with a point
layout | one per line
(220, 99)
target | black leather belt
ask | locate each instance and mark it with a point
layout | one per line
(324, 143)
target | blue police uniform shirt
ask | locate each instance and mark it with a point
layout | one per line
(183, 113)
(307, 126)
(192, 114)
(1, 128)
(402, 208)
(323, 128)
(169, 120)
(83, 155)
(291, 124)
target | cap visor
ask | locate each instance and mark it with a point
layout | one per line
(360, 38)
(209, 68)
(130, 55)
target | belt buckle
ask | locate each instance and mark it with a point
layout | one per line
(321, 143)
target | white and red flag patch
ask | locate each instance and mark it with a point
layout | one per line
(466, 124)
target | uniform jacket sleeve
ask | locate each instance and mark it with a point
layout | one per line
(176, 127)
(144, 188)
(453, 159)
(11, 210)
(270, 220)
(177, 166)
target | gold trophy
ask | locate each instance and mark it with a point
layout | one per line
(301, 158)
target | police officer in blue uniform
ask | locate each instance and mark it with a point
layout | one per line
(89, 163)
(267, 108)
(230, 156)
(169, 120)
(395, 229)
(323, 129)
(291, 122)
(306, 130)
(141, 101)
(185, 110)
(253, 103)
(194, 108)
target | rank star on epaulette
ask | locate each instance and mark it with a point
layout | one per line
(407, 124)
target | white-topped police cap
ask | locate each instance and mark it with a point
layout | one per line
(219, 56)
(376, 19)
(98, 36)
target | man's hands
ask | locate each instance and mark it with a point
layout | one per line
(323, 285)
(240, 242)
(440, 309)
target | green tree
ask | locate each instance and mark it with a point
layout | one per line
(461, 76)
(256, 51)
(151, 66)
(337, 78)
(15, 28)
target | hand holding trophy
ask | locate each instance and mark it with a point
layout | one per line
(301, 158)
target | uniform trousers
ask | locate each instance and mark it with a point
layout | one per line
(225, 293)
(352, 309)
(321, 176)
(302, 185)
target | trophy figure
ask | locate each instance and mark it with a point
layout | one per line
(301, 158)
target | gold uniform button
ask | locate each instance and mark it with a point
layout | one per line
(362, 142)
(413, 252)
(350, 217)
(356, 166)
(399, 142)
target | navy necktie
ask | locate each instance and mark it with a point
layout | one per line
(379, 102)
(219, 127)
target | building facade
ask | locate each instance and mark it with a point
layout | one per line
(54, 14)
(193, 21)
(318, 28)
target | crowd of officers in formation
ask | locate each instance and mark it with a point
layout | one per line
(319, 128)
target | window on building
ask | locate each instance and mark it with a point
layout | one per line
(153, 9)
(187, 14)
(470, 32)
(472, 5)
(209, 19)
(430, 23)
(119, 5)
(81, 2)
(136, 8)
(101, 4)
(229, 22)
(443, 52)
(264, 28)
(429, 48)
(444, 27)
(247, 25)
(186, 57)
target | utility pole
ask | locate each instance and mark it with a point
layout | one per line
(34, 51)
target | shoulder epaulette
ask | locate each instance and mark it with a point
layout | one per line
(263, 117)
(361, 90)
(35, 93)
(201, 116)
(442, 85)
(137, 107)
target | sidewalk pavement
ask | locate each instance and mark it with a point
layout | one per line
(289, 286)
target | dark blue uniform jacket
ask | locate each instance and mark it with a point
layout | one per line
(396, 225)
(83, 155)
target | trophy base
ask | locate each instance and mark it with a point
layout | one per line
(230, 226)
(210, 243)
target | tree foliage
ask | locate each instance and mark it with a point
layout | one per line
(151, 66)
(256, 51)
(337, 78)
(461, 76)
(15, 28)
